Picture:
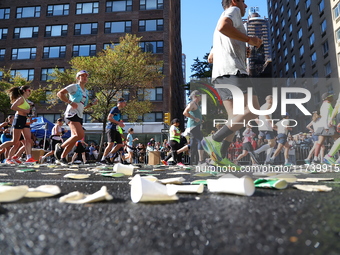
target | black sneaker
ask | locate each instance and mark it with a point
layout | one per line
(253, 156)
(125, 162)
(58, 151)
(63, 162)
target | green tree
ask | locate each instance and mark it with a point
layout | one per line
(113, 72)
(201, 69)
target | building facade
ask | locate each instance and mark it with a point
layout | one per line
(304, 52)
(37, 36)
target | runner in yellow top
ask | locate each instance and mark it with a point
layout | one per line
(21, 124)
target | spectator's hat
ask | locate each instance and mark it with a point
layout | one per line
(195, 93)
(326, 95)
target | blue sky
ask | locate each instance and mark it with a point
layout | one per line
(199, 18)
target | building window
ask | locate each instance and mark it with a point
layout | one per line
(4, 13)
(24, 73)
(119, 6)
(328, 69)
(298, 17)
(303, 68)
(323, 26)
(46, 73)
(86, 29)
(285, 52)
(321, 6)
(109, 45)
(325, 47)
(2, 54)
(287, 67)
(302, 50)
(84, 50)
(293, 60)
(56, 30)
(290, 28)
(336, 11)
(28, 12)
(292, 44)
(24, 53)
(337, 35)
(313, 58)
(86, 8)
(26, 32)
(153, 117)
(311, 39)
(310, 20)
(283, 23)
(153, 47)
(150, 4)
(155, 94)
(330, 89)
(300, 33)
(150, 25)
(118, 27)
(58, 10)
(54, 52)
(3, 33)
(308, 2)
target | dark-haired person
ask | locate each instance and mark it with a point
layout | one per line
(6, 135)
(228, 56)
(175, 139)
(21, 123)
(130, 149)
(56, 134)
(77, 98)
(113, 135)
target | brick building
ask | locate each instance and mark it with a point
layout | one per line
(37, 36)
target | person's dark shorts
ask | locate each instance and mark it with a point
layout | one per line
(315, 137)
(267, 134)
(242, 81)
(75, 118)
(282, 138)
(247, 146)
(114, 136)
(54, 142)
(19, 122)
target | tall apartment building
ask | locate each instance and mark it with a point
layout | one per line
(37, 36)
(258, 26)
(303, 50)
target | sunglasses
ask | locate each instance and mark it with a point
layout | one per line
(29, 90)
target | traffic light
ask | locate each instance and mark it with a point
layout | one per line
(167, 118)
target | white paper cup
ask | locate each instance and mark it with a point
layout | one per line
(185, 188)
(143, 190)
(230, 184)
(12, 193)
(125, 169)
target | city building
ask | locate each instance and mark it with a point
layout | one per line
(259, 27)
(304, 50)
(37, 36)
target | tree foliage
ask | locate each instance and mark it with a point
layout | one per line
(201, 69)
(113, 72)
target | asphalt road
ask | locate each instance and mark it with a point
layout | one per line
(288, 221)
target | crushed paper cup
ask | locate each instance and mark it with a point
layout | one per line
(175, 180)
(143, 190)
(77, 197)
(290, 178)
(77, 176)
(147, 177)
(230, 184)
(315, 179)
(185, 188)
(12, 193)
(124, 169)
(312, 188)
(270, 183)
(43, 191)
